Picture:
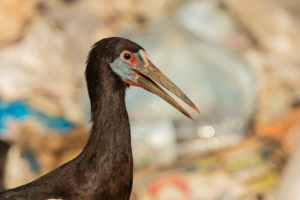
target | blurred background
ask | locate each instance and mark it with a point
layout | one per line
(237, 60)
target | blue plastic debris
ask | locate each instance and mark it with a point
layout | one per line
(20, 111)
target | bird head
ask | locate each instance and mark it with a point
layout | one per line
(131, 64)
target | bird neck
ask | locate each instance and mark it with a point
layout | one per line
(106, 160)
(110, 129)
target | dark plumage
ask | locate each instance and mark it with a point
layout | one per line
(4, 147)
(103, 170)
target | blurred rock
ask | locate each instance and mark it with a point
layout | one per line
(14, 15)
(292, 7)
(33, 153)
(154, 143)
(210, 21)
(42, 73)
(277, 82)
(275, 29)
(18, 170)
(288, 189)
(274, 56)
(239, 172)
(54, 149)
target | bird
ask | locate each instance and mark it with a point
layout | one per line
(4, 148)
(104, 168)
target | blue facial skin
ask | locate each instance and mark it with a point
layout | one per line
(124, 70)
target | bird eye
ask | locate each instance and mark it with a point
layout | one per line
(127, 56)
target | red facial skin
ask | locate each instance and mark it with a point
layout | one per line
(135, 84)
(132, 61)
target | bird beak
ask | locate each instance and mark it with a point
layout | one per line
(148, 77)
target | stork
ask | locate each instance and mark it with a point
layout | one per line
(104, 168)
